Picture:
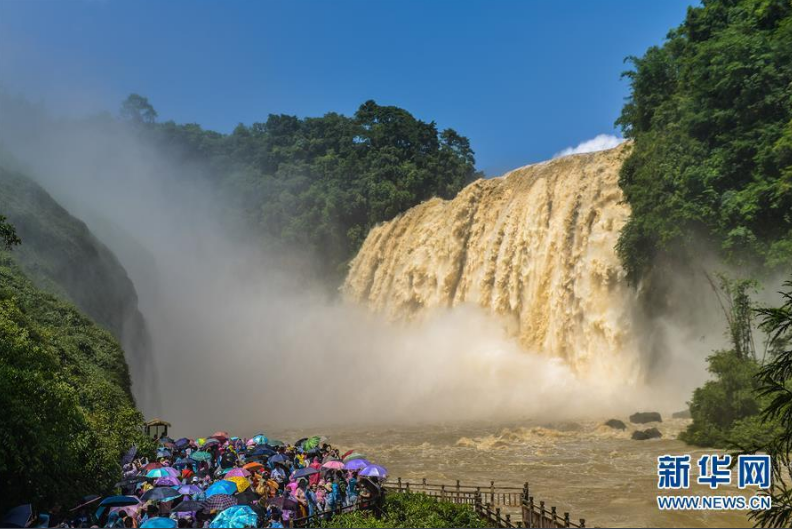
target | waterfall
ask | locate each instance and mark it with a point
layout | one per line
(534, 247)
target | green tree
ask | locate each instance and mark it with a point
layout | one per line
(775, 379)
(8, 236)
(137, 109)
(711, 164)
(725, 409)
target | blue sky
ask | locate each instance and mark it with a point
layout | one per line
(523, 80)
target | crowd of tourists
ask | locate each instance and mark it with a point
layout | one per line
(223, 481)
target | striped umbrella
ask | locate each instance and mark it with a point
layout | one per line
(220, 502)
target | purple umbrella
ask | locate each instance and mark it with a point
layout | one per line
(374, 471)
(356, 464)
(168, 481)
(190, 490)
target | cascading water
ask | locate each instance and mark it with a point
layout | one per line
(535, 247)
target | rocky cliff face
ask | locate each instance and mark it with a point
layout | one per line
(535, 247)
(61, 255)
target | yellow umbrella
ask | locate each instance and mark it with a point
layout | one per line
(241, 483)
(200, 441)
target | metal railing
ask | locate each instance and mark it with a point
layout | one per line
(490, 502)
(464, 494)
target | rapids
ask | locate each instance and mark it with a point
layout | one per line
(583, 467)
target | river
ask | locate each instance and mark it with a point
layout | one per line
(588, 469)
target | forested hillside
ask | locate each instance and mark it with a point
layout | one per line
(68, 411)
(711, 115)
(63, 257)
(320, 183)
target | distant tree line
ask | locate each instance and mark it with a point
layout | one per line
(321, 183)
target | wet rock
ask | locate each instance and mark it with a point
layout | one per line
(616, 424)
(643, 435)
(643, 417)
(684, 414)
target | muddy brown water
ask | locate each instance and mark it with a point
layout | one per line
(585, 468)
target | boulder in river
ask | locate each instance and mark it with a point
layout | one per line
(643, 417)
(616, 424)
(643, 435)
(684, 414)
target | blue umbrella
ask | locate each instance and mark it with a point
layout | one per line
(279, 458)
(181, 443)
(158, 473)
(236, 516)
(221, 487)
(160, 494)
(18, 516)
(201, 456)
(305, 472)
(160, 521)
(183, 462)
(130, 455)
(260, 439)
(119, 501)
(262, 451)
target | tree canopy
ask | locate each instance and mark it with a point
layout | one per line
(322, 183)
(8, 236)
(137, 109)
(710, 113)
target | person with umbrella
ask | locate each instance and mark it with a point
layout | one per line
(276, 520)
(301, 497)
(352, 491)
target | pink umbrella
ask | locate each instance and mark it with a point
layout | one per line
(131, 510)
(335, 465)
(241, 472)
(169, 481)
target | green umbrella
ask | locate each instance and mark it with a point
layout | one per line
(311, 443)
(354, 455)
(201, 456)
(275, 442)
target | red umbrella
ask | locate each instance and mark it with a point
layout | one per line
(221, 436)
(347, 453)
(152, 466)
